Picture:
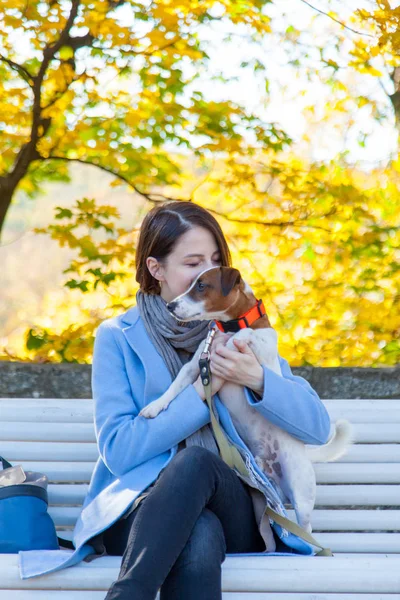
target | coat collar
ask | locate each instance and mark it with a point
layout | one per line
(137, 337)
(131, 315)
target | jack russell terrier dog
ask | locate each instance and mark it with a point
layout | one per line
(221, 294)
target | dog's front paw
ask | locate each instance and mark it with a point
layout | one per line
(153, 409)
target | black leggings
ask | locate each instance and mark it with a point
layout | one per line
(176, 540)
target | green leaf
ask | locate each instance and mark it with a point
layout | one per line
(66, 52)
(34, 341)
(63, 213)
(309, 252)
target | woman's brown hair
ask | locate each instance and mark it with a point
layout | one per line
(160, 231)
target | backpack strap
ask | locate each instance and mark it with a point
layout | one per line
(6, 464)
(65, 543)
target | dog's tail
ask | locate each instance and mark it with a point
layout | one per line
(336, 447)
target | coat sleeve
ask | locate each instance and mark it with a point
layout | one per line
(124, 439)
(290, 403)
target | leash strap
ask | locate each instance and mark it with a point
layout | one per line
(231, 455)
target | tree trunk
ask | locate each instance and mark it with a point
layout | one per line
(6, 194)
(9, 183)
(395, 97)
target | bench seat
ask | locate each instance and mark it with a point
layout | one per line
(357, 511)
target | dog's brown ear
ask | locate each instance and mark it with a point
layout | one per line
(229, 278)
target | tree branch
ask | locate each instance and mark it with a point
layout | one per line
(150, 53)
(24, 73)
(61, 93)
(103, 168)
(79, 42)
(279, 224)
(336, 20)
(28, 152)
(48, 55)
(161, 198)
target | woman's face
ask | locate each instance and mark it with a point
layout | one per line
(195, 251)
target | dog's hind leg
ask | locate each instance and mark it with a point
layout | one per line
(300, 488)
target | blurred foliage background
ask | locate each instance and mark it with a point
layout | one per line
(281, 118)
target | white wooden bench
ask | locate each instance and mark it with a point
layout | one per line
(357, 511)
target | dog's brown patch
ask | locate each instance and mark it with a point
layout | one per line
(269, 454)
(268, 468)
(277, 468)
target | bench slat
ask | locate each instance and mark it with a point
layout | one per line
(93, 595)
(361, 542)
(87, 403)
(81, 410)
(327, 495)
(72, 595)
(269, 574)
(358, 495)
(87, 451)
(100, 595)
(322, 520)
(61, 471)
(357, 473)
(346, 561)
(364, 411)
(353, 520)
(387, 453)
(59, 451)
(374, 473)
(84, 432)
(53, 410)
(47, 432)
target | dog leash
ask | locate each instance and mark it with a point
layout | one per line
(231, 455)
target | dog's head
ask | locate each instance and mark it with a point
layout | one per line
(210, 295)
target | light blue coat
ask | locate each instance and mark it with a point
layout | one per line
(127, 374)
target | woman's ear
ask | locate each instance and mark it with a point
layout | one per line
(154, 267)
(229, 278)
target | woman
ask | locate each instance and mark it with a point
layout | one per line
(191, 508)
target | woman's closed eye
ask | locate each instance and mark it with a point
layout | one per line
(217, 261)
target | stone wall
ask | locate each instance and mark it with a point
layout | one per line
(52, 380)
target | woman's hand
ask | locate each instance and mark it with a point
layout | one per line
(237, 366)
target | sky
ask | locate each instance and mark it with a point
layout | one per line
(291, 90)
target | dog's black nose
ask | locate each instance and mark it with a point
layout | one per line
(171, 306)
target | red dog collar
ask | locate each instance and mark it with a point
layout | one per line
(243, 321)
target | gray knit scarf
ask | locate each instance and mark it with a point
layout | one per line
(176, 342)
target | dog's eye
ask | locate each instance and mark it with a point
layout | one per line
(200, 286)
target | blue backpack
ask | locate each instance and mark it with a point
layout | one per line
(24, 521)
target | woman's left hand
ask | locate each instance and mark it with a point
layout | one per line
(238, 366)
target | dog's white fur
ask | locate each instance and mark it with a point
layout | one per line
(280, 456)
